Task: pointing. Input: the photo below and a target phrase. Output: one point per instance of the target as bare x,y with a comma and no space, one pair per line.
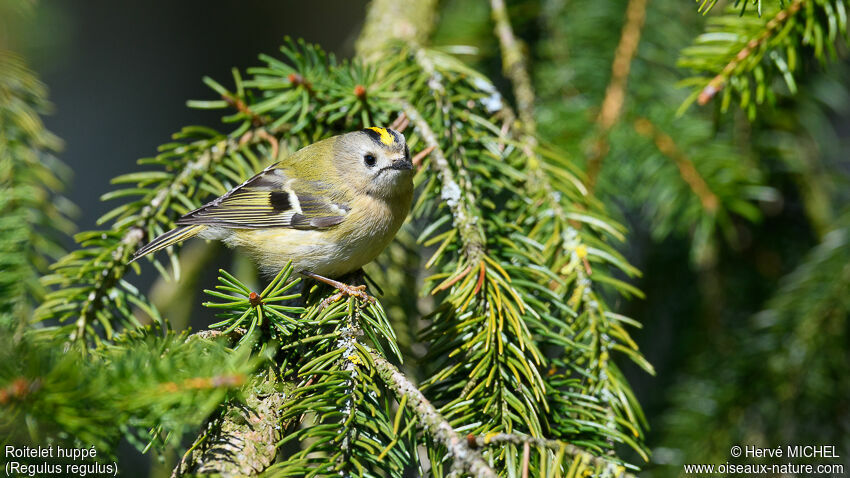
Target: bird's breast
369,226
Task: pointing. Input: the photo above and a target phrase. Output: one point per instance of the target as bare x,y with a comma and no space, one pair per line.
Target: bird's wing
272,198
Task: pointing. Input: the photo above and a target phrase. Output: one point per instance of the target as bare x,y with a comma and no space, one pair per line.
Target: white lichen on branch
435,424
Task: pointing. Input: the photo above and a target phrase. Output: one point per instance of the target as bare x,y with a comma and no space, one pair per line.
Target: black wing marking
271,199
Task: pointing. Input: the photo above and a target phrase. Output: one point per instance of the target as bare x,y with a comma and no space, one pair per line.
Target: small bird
330,208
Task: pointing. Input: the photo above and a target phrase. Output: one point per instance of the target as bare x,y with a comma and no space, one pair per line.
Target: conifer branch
452,193
144,385
35,216
770,29
131,239
242,441
615,94
108,269
406,21
436,425
740,53
515,67
651,178
608,467
500,342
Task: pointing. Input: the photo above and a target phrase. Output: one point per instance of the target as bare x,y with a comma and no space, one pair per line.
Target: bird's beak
402,164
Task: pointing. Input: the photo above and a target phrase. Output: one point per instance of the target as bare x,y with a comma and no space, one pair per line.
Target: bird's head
375,161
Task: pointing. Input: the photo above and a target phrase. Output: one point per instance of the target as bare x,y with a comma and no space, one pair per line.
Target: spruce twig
113,267
615,469
454,196
514,66
771,28
740,53
469,459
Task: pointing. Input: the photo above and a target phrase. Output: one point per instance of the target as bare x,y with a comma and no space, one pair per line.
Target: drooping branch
467,458
514,66
453,194
741,54
615,94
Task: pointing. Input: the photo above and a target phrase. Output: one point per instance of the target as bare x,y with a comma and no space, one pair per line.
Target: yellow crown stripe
386,137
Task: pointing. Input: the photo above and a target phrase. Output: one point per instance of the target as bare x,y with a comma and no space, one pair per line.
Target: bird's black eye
369,159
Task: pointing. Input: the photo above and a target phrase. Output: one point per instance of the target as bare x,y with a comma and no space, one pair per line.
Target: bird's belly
312,251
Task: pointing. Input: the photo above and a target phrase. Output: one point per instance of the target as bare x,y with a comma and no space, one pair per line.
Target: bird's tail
180,233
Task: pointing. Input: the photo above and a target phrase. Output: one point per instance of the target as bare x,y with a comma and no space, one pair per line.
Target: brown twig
689,173
296,80
400,123
18,390
236,102
775,24
435,424
417,160
615,93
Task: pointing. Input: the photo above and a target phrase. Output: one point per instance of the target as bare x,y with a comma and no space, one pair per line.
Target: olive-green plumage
330,207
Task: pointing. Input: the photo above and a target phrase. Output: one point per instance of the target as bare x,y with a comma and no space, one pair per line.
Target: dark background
120,73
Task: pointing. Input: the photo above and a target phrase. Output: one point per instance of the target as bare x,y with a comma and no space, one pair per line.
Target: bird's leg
358,291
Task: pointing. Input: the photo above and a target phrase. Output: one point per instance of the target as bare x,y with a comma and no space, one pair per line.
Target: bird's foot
358,291
343,289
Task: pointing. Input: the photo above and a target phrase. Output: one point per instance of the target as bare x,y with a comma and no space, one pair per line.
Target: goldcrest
330,207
